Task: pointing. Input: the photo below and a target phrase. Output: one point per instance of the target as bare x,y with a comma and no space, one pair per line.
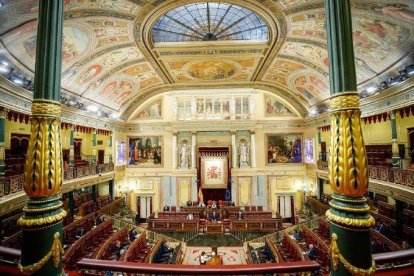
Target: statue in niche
243,154
184,155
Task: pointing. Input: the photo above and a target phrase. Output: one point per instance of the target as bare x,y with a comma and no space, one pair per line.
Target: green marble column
71,203
3,113
94,192
348,175
42,220
72,146
396,160
110,146
111,189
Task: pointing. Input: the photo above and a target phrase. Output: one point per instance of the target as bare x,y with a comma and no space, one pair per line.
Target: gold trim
337,257
44,169
39,210
351,229
349,209
55,251
48,108
40,221
368,222
41,228
344,102
363,200
58,196
348,173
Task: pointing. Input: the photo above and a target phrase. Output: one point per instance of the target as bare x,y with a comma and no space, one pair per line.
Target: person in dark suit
311,252
117,249
133,235
79,233
239,215
166,208
99,220
214,217
137,218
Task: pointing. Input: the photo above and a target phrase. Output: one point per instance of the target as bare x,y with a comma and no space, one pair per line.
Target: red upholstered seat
220,203
209,203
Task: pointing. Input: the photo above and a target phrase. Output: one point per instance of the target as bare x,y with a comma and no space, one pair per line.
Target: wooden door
77,149
101,156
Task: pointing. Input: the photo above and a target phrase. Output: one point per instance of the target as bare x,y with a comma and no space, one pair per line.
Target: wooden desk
214,228
216,260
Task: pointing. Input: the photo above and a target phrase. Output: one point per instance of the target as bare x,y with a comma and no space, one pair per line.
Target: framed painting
309,150
214,172
120,153
284,148
145,151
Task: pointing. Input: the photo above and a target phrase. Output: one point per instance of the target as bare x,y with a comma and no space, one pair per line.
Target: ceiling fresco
106,62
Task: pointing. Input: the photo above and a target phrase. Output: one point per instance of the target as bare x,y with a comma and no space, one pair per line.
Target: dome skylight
209,21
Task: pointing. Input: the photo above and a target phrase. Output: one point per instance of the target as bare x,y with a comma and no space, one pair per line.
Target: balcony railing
15,183
394,175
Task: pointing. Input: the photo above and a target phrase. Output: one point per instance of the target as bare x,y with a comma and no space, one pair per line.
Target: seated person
117,249
201,204
296,235
214,217
166,208
311,252
190,216
79,233
239,215
166,248
204,258
133,235
189,203
405,245
100,219
214,205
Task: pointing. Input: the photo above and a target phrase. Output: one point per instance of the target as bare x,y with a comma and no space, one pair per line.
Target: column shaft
72,147
174,151
348,175
193,149
396,160
42,220
2,132
94,146
253,149
234,150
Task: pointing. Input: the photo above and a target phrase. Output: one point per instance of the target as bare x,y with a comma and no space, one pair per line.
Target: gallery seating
138,250
106,251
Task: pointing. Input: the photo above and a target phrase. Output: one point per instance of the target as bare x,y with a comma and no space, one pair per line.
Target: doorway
144,207
77,148
101,156
286,207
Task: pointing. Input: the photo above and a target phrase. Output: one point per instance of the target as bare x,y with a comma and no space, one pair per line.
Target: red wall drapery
213,194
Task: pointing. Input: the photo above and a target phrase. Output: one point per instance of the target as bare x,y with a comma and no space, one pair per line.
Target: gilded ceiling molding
297,103
152,11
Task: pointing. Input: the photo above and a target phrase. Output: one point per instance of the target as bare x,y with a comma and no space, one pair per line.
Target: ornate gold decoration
358,222
39,210
348,173
46,108
42,220
360,200
56,251
350,209
351,229
44,170
344,101
337,257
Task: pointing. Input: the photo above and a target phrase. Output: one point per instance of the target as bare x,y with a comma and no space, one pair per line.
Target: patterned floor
230,255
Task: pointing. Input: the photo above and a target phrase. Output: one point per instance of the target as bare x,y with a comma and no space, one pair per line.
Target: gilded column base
41,240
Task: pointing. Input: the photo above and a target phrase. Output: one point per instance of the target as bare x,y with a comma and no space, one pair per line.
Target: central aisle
230,255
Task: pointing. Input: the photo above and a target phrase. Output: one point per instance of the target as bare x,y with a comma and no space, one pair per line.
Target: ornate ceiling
110,58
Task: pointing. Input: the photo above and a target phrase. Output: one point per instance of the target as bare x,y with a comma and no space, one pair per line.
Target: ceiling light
410,70
372,89
18,81
5,63
114,115
92,108
394,80
4,70
72,102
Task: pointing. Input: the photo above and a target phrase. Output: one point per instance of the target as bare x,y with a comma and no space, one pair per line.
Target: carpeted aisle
230,255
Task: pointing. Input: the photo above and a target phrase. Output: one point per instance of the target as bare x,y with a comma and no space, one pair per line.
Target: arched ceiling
109,58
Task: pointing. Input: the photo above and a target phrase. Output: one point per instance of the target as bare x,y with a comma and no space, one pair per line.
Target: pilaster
396,160
72,147
193,149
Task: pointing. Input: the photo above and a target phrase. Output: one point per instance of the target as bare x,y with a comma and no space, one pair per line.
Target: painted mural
274,108
151,111
120,153
284,148
309,151
212,70
145,151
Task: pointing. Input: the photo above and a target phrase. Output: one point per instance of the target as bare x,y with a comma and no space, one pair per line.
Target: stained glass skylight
209,21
